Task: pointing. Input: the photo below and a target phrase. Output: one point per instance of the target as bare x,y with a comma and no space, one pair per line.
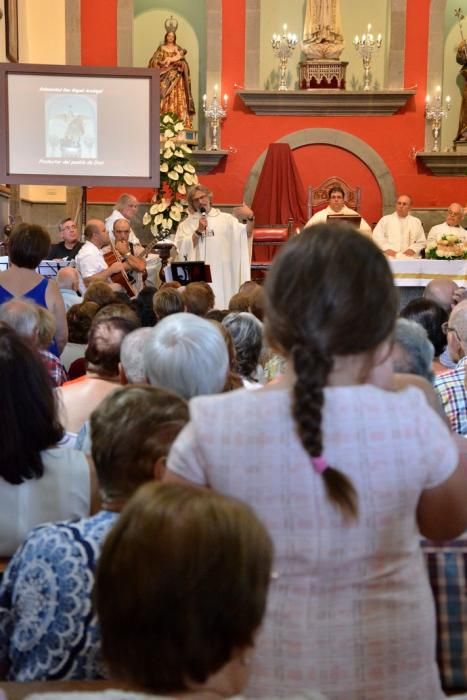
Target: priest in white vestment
337,206
452,225
400,234
218,239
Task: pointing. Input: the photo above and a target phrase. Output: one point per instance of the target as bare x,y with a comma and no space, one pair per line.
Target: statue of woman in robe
322,33
461,57
175,76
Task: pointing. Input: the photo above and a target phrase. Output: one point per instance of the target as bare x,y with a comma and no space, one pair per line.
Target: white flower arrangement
448,247
177,172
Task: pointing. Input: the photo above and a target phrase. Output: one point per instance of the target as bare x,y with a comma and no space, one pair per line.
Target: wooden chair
318,197
273,235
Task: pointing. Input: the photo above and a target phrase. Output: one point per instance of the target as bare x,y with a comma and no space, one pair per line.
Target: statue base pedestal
460,147
322,75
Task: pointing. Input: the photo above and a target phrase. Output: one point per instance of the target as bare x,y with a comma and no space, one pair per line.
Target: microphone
202,211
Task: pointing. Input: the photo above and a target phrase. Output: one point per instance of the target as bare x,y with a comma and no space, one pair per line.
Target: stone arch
339,139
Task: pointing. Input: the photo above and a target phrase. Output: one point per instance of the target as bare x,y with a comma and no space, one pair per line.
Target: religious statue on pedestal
175,78
322,33
461,57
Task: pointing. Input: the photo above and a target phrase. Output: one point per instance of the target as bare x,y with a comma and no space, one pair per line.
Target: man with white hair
187,354
68,284
451,225
400,232
451,385
126,207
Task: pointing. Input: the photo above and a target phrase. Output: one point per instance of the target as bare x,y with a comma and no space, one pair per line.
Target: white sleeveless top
63,492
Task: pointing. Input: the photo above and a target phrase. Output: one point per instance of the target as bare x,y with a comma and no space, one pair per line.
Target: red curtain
279,195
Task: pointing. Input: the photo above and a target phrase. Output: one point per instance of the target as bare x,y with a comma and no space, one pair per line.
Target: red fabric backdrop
280,194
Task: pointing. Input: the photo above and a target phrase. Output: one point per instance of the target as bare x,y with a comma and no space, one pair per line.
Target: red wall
395,138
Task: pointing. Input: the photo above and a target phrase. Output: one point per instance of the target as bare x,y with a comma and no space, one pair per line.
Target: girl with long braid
345,474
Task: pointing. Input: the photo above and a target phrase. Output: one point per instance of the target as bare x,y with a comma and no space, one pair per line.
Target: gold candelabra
367,46
434,113
283,46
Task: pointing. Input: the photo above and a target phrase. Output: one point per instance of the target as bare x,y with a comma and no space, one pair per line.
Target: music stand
186,272
50,268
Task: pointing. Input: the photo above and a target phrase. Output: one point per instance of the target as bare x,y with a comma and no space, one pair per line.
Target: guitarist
129,252
90,261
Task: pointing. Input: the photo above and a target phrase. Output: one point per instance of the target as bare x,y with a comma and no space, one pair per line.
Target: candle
380,38
215,90
427,99
356,41
226,98
448,99
204,100
285,28
438,88
369,28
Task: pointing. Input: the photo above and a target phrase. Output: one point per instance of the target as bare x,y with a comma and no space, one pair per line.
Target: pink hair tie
319,464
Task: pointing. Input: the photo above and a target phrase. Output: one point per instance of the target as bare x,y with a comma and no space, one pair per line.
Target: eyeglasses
446,328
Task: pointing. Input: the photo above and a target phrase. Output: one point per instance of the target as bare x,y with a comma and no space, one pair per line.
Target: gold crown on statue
171,25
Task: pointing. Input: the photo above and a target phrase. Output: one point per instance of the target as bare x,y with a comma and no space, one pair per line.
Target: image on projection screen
78,126
71,126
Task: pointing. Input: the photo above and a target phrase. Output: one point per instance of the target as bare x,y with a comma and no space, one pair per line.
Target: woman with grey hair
187,354
247,335
412,352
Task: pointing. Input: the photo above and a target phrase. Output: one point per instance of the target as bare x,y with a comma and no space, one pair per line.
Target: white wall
42,37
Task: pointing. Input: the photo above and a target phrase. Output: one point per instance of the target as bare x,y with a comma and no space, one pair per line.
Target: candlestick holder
283,46
215,112
367,46
434,114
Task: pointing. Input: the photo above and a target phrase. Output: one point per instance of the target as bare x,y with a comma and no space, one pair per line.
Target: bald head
68,278
403,204
454,214
441,291
96,233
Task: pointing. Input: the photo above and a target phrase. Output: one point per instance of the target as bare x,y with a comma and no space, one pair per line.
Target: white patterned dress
350,611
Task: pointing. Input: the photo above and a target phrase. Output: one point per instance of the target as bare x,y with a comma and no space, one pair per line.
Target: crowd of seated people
299,396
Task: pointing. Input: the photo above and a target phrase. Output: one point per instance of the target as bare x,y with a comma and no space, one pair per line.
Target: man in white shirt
126,207
400,232
90,261
451,225
337,206
68,283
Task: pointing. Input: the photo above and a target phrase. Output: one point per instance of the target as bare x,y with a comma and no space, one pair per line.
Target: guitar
120,278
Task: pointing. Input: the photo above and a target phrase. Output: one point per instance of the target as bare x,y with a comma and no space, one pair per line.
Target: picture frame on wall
11,30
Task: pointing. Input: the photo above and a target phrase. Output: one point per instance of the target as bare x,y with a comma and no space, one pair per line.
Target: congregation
233,489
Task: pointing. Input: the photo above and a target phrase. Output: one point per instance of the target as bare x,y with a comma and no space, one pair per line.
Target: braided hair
330,292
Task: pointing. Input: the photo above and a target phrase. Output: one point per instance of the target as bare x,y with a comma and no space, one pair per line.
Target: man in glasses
70,244
451,385
451,225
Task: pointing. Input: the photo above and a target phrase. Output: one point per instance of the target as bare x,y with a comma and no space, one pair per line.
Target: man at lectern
337,205
218,239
